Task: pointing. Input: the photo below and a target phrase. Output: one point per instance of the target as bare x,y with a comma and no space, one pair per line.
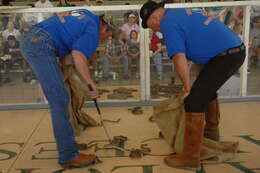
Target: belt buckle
223,53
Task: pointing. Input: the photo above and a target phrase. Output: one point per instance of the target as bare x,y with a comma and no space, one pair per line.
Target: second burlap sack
169,115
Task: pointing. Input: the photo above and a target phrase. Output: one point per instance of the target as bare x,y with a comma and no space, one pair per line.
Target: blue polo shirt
79,31
188,33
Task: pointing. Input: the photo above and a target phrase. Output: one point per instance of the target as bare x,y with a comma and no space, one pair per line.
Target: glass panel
17,82
118,59
254,53
114,65
233,17
162,76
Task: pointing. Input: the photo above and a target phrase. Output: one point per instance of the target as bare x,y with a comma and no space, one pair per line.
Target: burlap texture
170,118
77,94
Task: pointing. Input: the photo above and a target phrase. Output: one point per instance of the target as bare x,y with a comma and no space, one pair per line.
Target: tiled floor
27,143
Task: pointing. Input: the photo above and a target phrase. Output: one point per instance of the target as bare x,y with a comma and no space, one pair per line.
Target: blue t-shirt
79,31
184,33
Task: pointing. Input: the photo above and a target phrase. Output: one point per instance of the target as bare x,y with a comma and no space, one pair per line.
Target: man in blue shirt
77,33
217,53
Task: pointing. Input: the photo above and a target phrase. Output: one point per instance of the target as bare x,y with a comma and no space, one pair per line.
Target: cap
131,15
147,9
11,37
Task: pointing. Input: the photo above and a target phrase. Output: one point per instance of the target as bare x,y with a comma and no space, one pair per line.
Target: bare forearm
181,66
81,64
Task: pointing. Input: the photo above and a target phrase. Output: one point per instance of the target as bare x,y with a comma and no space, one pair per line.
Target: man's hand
81,64
93,91
182,96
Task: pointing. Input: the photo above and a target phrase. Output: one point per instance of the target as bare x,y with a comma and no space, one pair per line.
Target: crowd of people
121,49
12,27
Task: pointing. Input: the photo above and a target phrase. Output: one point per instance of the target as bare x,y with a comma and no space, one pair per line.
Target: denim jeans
39,51
106,62
157,59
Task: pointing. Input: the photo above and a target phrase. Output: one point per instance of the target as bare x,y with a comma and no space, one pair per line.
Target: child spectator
133,50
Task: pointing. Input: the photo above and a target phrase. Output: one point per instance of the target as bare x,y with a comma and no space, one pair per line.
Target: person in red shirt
156,48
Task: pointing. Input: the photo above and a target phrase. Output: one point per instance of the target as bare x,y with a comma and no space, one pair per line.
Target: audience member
43,4
129,26
10,30
156,48
133,51
115,51
16,20
255,40
12,49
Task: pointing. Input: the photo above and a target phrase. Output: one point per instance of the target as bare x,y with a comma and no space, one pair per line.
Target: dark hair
130,35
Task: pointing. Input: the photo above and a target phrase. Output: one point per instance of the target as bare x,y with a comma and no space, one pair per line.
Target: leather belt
233,50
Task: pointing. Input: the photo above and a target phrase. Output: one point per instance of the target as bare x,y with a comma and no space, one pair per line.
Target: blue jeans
39,51
106,62
157,59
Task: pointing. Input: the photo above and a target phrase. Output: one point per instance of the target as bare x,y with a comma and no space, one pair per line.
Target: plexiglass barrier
135,73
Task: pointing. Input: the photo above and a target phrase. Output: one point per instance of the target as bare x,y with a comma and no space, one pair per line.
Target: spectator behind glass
12,49
133,51
43,4
10,30
129,26
255,40
156,48
115,51
16,20
64,3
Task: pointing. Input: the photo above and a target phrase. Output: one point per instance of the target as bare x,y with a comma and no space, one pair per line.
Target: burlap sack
170,118
78,94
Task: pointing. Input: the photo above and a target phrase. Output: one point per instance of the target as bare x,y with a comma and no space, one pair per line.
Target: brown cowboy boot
212,116
82,160
190,156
